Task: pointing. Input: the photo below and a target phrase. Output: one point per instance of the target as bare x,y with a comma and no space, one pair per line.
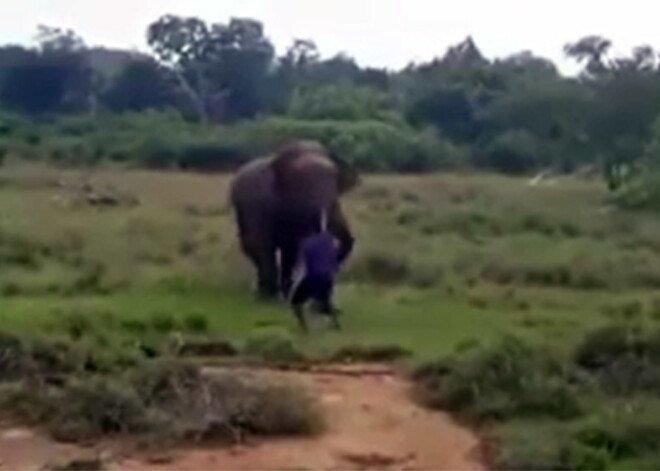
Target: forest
211,95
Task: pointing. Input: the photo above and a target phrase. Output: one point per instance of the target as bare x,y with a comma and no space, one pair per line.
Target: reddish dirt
372,424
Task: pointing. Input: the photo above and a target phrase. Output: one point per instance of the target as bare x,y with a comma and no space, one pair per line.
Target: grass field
442,263
440,260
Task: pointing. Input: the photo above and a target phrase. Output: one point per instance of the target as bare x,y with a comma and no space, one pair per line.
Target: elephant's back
253,183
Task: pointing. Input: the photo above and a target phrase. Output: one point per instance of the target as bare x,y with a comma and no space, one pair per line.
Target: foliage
509,380
272,345
165,400
515,114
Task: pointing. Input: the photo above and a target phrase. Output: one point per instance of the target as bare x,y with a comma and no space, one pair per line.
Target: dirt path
372,424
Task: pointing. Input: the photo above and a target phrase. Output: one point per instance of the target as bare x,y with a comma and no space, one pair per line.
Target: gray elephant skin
278,200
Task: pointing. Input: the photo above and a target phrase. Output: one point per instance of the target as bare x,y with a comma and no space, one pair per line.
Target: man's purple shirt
320,255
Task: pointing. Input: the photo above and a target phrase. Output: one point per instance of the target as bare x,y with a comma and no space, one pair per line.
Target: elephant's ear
348,177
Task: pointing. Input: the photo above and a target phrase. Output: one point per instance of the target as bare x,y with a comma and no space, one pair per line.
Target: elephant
279,199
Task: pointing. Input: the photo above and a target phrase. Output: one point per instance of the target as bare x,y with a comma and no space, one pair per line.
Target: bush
525,446
623,358
641,192
624,430
370,353
163,322
167,400
11,356
272,345
508,380
511,152
165,140
96,407
196,323
340,102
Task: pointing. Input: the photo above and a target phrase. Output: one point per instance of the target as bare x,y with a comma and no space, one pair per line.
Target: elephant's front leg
267,275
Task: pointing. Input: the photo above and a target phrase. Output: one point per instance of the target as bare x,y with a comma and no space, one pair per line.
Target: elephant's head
307,175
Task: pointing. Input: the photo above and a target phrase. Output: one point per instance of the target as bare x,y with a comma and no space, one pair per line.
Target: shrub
168,400
624,430
208,348
641,192
196,323
508,380
165,140
78,324
11,356
606,345
163,322
370,353
525,446
97,407
272,345
623,358
511,152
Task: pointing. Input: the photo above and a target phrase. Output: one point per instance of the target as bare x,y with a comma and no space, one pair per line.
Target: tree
54,77
222,68
142,84
625,100
448,108
593,51
340,102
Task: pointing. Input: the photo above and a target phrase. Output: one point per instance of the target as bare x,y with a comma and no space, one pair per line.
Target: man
319,262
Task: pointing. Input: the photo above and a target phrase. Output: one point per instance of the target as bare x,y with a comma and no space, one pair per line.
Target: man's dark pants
318,288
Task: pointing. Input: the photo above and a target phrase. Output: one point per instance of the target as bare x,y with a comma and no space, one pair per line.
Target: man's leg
324,291
300,295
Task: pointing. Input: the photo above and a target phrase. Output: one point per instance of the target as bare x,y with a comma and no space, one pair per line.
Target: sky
381,33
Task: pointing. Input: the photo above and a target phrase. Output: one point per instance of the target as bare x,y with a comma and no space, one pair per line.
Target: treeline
212,95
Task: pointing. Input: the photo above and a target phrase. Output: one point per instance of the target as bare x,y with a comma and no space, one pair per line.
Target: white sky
387,33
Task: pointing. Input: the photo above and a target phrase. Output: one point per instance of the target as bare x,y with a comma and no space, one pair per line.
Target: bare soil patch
371,424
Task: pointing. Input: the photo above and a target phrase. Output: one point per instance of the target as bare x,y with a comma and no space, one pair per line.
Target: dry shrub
165,400
370,353
623,357
272,344
207,348
11,356
510,379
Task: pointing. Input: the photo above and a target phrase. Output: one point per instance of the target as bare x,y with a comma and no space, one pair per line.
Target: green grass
443,264
423,322
440,261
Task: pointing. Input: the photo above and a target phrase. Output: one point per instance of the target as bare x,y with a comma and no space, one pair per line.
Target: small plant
196,323
623,358
207,348
11,356
510,379
370,353
78,324
163,322
523,446
272,345
135,326
97,407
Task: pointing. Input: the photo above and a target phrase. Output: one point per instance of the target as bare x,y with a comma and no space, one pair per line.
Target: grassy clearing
445,266
440,261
